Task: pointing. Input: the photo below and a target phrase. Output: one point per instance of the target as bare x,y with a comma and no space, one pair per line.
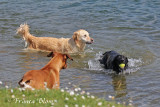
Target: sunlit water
132,28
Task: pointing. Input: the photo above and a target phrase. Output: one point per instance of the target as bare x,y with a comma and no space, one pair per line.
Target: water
131,28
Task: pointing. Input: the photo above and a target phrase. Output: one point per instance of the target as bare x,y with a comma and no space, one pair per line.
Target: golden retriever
63,45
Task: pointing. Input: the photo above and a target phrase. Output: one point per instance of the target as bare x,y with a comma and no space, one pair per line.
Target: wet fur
112,59
74,44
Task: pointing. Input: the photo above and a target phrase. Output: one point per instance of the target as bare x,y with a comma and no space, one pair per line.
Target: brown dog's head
82,36
63,56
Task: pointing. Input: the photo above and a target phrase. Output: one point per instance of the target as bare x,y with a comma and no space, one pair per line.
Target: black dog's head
120,63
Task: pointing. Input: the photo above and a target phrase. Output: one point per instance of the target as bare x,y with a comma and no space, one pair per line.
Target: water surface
131,28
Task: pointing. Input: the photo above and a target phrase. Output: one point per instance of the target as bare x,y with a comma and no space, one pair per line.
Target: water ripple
131,28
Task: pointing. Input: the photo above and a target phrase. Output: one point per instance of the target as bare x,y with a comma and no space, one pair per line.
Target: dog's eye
85,35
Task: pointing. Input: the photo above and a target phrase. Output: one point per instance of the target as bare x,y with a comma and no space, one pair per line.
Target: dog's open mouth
89,42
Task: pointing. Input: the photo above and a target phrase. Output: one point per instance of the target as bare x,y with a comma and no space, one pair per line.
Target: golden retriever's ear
50,55
75,35
75,38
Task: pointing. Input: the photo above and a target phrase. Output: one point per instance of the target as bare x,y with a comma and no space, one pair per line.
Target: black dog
115,61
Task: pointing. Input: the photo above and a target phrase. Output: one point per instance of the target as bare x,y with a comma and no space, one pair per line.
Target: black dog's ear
126,60
50,54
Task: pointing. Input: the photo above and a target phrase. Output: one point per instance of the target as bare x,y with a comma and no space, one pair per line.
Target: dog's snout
92,40
122,60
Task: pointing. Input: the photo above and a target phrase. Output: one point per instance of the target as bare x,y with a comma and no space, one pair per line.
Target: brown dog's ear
50,55
68,56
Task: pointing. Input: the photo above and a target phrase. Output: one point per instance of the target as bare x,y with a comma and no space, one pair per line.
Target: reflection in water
32,60
119,85
127,26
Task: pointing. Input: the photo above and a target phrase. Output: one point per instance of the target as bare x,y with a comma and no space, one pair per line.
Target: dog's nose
92,40
122,60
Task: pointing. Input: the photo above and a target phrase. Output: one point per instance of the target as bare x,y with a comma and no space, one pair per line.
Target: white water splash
134,64
94,64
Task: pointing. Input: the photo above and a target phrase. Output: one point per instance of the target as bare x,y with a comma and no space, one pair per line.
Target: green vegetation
50,98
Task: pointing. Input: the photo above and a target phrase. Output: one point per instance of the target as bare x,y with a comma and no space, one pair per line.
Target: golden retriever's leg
26,44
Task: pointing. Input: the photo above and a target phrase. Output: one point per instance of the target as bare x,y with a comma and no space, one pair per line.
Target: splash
94,63
134,64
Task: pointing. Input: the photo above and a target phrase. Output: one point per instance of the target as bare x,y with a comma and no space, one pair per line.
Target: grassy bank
50,98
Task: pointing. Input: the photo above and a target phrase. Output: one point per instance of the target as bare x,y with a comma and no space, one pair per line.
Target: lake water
131,28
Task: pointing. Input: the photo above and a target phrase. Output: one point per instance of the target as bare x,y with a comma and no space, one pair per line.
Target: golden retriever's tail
23,31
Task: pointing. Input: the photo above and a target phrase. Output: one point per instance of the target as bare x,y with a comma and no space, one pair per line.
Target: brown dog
62,45
49,74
